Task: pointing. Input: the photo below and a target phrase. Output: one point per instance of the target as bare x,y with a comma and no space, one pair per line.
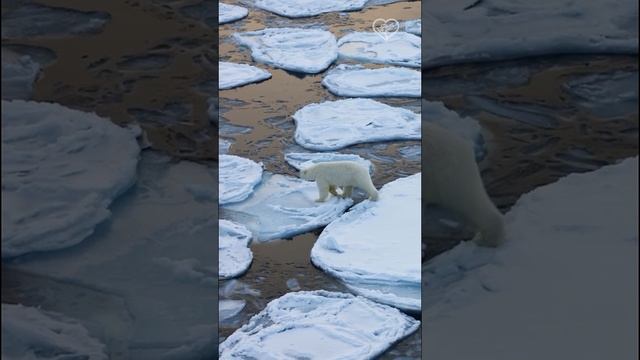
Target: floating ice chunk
300,50
319,325
223,146
333,125
300,160
61,169
234,75
463,126
401,48
238,176
357,81
229,308
413,26
19,72
565,242
30,333
304,8
375,248
471,31
233,249
284,206
228,13
293,284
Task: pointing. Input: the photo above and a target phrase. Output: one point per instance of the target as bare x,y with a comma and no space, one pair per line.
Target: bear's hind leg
333,191
323,190
347,191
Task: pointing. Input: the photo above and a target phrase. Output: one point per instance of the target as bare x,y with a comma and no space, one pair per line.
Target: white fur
453,182
345,174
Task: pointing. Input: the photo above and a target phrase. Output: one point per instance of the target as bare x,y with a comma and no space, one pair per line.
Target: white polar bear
452,180
346,174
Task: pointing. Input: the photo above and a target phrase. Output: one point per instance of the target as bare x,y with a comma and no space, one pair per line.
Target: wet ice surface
228,13
304,8
607,94
160,232
234,255
400,48
237,178
300,160
353,121
319,325
374,258
470,31
232,75
294,49
358,81
30,333
61,169
283,206
590,222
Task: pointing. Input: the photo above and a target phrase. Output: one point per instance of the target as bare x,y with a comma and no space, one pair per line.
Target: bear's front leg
323,190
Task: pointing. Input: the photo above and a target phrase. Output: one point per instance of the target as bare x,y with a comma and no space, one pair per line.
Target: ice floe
283,206
234,255
571,257
463,126
413,27
31,333
300,160
337,124
375,248
228,13
19,72
237,176
400,48
229,308
294,49
61,169
304,8
471,31
319,325
233,75
357,81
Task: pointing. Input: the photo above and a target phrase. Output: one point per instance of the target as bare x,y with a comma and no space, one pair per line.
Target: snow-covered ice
31,333
332,125
319,325
571,257
233,75
463,126
284,206
294,49
304,8
358,81
471,31
375,248
237,178
234,255
300,160
401,48
413,26
228,13
61,169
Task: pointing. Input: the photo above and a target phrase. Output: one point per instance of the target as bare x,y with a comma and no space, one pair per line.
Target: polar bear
346,174
452,181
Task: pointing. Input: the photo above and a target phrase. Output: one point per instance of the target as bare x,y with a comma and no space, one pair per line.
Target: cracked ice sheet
294,49
284,206
238,176
30,333
319,325
357,81
61,169
333,125
234,255
401,48
234,75
490,30
467,128
228,13
157,246
305,8
375,248
300,160
571,257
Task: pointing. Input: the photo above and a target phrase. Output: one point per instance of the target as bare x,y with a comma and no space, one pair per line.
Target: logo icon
385,28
